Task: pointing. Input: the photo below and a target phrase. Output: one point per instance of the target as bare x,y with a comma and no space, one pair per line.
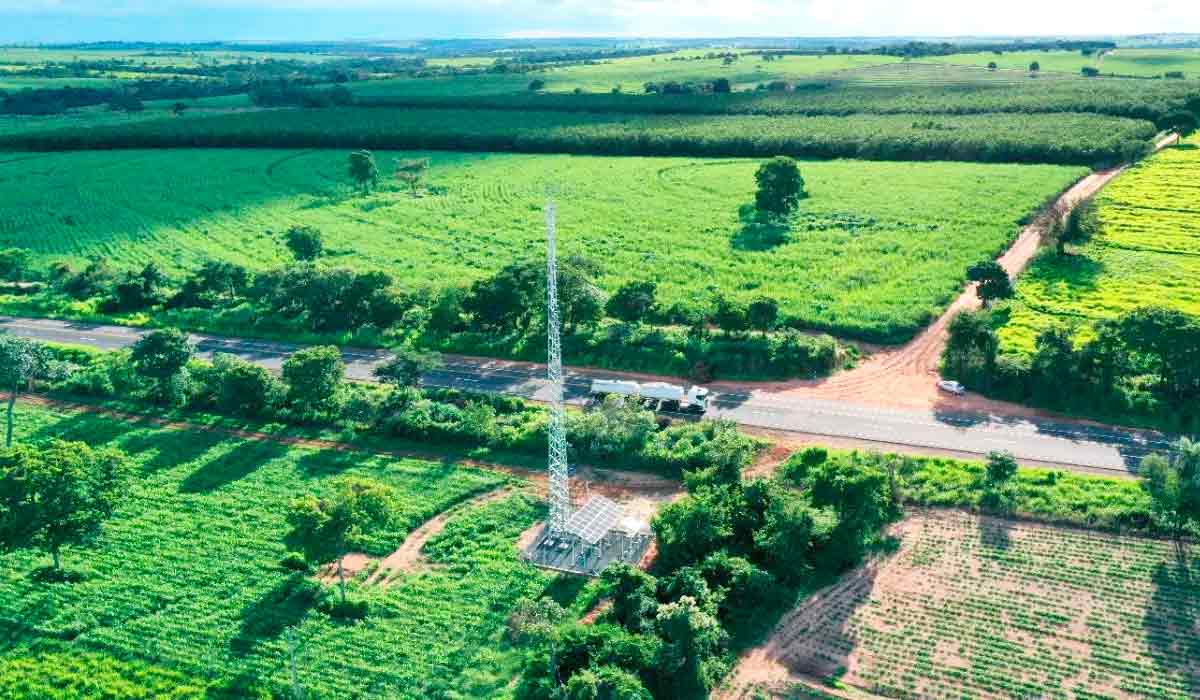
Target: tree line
1139,363
1069,139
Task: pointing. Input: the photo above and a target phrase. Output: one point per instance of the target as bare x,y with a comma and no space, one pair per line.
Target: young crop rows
984,608
875,252
187,578
1148,253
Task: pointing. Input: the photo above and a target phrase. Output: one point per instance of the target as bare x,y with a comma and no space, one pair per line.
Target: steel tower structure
560,485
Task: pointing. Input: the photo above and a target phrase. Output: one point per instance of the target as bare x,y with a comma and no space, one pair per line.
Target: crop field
1144,63
630,74
876,251
986,608
1148,252
186,583
1075,139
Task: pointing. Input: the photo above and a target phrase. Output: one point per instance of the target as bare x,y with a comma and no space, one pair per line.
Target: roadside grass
186,577
877,251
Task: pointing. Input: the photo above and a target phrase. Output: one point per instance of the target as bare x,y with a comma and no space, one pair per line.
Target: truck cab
698,399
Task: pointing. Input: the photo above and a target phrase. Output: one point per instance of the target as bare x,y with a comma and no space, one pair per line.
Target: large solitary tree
21,361
326,529
780,187
57,495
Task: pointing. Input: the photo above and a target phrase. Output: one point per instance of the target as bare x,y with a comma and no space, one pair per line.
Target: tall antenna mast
560,486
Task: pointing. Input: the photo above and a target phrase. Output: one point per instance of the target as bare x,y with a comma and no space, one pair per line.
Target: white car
952,387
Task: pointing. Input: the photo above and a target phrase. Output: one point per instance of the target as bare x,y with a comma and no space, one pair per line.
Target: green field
878,249
1145,63
629,74
972,607
186,581
1148,253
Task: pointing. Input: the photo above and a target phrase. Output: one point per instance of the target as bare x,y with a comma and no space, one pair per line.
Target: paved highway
1093,448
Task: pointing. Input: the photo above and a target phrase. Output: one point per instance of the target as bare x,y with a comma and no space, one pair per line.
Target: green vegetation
906,88
1142,63
732,555
187,578
1079,139
876,251
1048,495
981,607
1107,322
71,674
1147,251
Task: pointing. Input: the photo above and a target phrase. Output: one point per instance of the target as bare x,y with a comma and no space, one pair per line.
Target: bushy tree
780,186
1174,486
305,242
162,357
315,378
363,170
1079,227
1035,67
139,290
721,85
615,429
783,542
1183,123
971,346
326,529
691,529
21,362
993,281
632,302
508,299
215,283
763,314
690,637
14,264
731,316
632,592
244,388
330,299
57,495
1001,468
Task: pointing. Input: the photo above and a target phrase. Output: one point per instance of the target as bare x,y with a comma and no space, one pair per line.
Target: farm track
408,556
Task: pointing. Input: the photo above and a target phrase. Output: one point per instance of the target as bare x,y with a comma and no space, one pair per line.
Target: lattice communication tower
560,484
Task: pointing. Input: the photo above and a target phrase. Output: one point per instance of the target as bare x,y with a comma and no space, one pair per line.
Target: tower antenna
560,485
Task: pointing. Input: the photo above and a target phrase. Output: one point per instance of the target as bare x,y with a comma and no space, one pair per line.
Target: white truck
667,397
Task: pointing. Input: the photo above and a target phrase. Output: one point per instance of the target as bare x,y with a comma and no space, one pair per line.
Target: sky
50,21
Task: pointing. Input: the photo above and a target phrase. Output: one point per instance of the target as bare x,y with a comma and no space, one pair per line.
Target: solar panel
593,521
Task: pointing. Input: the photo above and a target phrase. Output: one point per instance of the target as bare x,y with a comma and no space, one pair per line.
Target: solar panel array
593,521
